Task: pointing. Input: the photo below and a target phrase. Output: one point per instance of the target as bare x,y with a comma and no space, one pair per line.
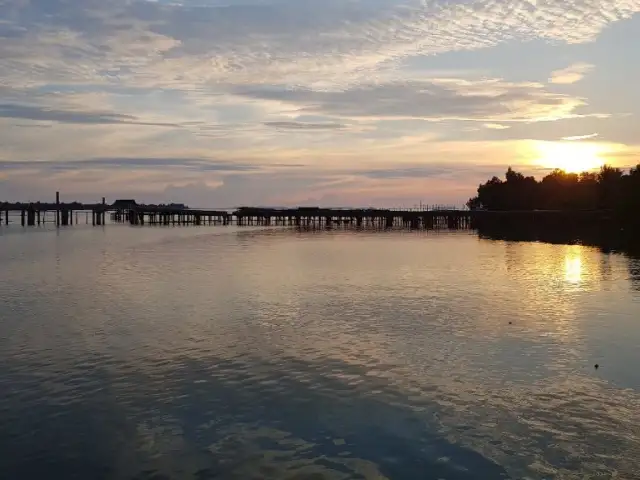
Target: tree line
609,189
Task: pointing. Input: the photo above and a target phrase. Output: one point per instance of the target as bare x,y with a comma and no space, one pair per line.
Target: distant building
124,204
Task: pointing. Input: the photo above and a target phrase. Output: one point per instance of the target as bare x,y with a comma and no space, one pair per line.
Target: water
200,353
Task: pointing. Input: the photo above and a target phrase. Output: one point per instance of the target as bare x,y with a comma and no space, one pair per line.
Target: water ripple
196,354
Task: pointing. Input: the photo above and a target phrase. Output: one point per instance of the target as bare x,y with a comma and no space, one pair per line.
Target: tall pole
57,209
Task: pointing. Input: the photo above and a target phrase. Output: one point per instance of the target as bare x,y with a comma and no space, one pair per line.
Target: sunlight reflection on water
573,269
216,353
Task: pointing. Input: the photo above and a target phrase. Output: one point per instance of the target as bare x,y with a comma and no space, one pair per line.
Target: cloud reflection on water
275,354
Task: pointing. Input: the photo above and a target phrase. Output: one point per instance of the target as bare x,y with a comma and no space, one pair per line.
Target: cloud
135,163
486,100
305,125
236,79
36,113
426,171
580,137
435,172
311,42
572,74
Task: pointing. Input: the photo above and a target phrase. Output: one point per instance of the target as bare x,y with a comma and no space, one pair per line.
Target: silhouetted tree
610,183
609,189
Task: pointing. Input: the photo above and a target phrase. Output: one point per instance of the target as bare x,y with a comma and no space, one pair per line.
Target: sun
572,157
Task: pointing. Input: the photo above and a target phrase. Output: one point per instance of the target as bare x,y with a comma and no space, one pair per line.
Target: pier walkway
66,214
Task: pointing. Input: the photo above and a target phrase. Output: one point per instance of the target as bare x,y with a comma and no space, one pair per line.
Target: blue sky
323,102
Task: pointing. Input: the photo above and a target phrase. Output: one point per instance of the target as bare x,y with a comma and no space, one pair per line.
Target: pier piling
31,217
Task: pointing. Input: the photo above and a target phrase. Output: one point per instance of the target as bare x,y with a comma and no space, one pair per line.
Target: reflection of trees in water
557,266
513,255
606,269
610,190
606,241
634,273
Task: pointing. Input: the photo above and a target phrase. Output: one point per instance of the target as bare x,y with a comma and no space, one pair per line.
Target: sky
387,103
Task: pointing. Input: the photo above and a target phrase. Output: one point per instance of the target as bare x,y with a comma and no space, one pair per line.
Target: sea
270,353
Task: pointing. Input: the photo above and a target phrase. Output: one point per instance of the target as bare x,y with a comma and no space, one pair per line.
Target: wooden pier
67,214
128,212
171,216
359,218
62,214
298,217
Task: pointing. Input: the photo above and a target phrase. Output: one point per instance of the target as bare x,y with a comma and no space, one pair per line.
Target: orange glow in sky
572,157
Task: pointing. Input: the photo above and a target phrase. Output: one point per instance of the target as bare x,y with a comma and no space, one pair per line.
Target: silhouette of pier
312,217
62,214
129,212
152,215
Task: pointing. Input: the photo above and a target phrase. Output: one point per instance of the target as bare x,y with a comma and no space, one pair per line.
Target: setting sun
572,157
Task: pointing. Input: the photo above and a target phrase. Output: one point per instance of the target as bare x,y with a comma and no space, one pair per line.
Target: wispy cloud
492,100
136,163
36,113
580,137
305,125
312,42
572,74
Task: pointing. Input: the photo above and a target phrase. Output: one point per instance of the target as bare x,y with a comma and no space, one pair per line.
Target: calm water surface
201,353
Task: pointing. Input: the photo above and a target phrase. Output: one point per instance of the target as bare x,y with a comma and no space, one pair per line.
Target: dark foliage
609,189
